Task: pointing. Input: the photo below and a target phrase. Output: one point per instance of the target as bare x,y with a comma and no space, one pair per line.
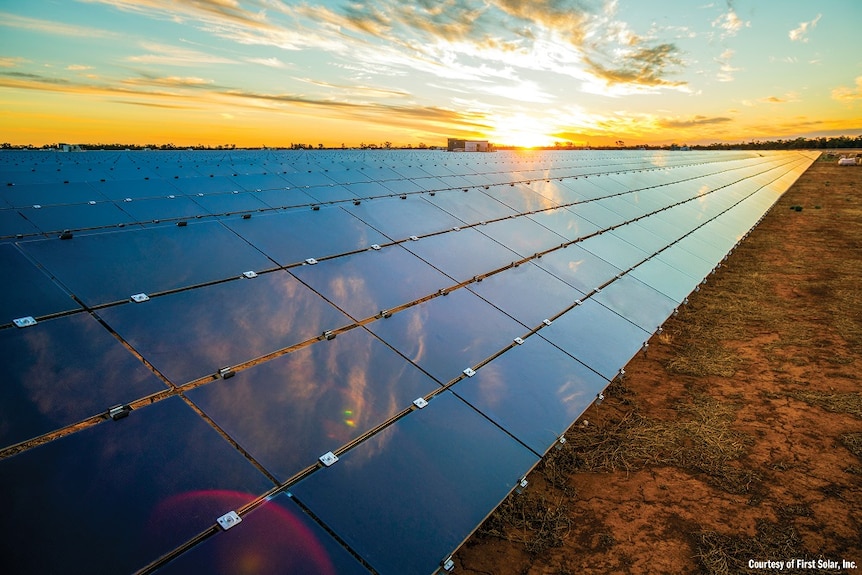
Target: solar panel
325,361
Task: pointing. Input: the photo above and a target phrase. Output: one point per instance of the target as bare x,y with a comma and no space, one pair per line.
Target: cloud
206,10
78,67
269,62
730,23
643,66
170,81
799,34
845,94
10,62
163,54
725,69
52,28
388,113
694,122
789,97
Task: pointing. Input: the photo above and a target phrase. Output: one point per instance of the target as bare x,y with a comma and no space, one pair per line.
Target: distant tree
422,145
319,146
620,143
387,145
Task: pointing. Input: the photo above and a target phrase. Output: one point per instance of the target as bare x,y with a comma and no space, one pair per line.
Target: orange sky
266,72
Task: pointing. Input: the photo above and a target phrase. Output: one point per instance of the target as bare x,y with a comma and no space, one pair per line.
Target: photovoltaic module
328,361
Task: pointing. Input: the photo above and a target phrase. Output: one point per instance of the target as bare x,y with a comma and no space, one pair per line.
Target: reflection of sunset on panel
333,72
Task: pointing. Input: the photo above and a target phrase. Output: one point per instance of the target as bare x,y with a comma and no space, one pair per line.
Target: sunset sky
273,72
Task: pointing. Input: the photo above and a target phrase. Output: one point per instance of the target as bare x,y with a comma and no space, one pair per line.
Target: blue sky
275,72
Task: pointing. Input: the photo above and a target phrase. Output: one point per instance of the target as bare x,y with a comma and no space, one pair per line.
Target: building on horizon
456,145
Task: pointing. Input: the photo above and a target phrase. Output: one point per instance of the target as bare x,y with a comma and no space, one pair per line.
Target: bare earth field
736,438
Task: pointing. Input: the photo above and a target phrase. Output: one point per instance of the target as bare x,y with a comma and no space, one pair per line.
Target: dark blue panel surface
578,267
61,371
48,194
471,206
527,293
665,278
521,198
165,208
230,203
565,223
534,391
12,223
277,538
121,493
449,333
637,302
614,250
399,219
290,410
293,237
193,333
365,283
54,219
281,198
138,188
522,235
463,254
27,291
452,466
109,267
596,336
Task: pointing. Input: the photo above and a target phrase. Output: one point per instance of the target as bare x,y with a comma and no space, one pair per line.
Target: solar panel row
253,324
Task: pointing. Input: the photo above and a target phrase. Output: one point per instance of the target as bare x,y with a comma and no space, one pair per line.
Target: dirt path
737,438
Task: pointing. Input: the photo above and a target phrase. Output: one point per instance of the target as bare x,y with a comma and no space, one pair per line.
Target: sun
522,130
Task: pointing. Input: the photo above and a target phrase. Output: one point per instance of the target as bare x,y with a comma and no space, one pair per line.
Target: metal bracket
311,261
547,322
140,297
249,275
328,335
519,341
119,411
228,520
24,321
375,247
448,564
469,372
600,398
328,458
522,485
226,372
414,238
420,402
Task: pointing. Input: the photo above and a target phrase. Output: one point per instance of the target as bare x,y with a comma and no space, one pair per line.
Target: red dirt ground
737,437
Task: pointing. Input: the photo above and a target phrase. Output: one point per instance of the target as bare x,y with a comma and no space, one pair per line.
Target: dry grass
700,439
530,520
834,402
725,554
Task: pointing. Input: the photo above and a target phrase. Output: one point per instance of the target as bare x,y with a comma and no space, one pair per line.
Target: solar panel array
358,353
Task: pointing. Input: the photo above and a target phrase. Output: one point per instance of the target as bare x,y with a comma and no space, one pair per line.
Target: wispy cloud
693,122
78,67
268,62
847,94
789,97
800,33
51,27
725,68
11,62
163,54
730,23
